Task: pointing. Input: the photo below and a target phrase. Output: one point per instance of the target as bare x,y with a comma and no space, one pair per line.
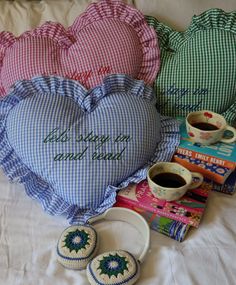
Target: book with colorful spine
170,218
229,187
171,228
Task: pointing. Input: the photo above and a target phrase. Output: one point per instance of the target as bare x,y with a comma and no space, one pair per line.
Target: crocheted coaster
109,37
77,246
198,70
115,267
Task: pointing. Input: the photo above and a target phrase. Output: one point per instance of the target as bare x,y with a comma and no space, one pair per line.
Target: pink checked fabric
109,37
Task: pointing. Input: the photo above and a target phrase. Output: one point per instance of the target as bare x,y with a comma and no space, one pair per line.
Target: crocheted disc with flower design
109,37
77,246
114,267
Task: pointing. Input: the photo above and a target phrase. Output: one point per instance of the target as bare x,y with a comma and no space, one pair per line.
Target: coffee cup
206,127
170,181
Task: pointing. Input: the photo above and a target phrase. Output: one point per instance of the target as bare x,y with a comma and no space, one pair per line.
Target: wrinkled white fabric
18,16
28,236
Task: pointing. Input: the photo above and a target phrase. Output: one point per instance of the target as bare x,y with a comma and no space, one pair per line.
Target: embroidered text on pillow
59,140
198,67
109,37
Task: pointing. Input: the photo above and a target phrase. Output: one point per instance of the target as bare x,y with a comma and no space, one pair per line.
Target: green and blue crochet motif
113,265
77,240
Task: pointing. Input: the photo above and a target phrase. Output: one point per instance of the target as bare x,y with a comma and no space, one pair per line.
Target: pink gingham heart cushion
109,37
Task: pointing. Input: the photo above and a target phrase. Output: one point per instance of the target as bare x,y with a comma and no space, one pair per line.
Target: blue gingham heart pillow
73,148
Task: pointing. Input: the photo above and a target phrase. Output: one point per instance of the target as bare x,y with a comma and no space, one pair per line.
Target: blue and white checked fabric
73,149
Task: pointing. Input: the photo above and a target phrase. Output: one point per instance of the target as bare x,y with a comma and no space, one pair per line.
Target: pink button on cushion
109,37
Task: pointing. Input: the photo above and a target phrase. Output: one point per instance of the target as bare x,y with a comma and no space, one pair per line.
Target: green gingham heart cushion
198,66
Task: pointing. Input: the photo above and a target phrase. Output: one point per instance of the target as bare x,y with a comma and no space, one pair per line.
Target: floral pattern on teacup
160,192
205,136
208,115
176,195
218,124
191,134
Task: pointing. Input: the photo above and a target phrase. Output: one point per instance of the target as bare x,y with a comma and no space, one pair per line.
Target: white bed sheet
28,236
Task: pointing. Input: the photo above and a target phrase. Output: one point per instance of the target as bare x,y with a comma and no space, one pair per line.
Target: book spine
206,158
212,171
171,228
229,187
224,189
168,227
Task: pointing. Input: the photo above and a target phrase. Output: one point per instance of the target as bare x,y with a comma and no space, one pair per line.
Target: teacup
206,127
170,181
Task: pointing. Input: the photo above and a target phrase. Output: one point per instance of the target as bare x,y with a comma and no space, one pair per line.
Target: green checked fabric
198,66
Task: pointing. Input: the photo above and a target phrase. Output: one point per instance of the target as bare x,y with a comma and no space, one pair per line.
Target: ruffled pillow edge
36,187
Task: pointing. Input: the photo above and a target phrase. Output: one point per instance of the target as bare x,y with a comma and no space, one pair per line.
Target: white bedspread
28,236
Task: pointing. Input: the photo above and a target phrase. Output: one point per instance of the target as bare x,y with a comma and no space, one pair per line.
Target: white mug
207,127
170,181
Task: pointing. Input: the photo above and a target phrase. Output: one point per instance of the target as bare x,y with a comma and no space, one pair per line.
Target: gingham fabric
109,37
198,66
73,148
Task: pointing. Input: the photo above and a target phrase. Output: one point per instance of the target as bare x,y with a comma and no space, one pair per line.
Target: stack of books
172,219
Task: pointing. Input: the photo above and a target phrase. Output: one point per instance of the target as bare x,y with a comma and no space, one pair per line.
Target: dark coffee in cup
169,180
205,126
